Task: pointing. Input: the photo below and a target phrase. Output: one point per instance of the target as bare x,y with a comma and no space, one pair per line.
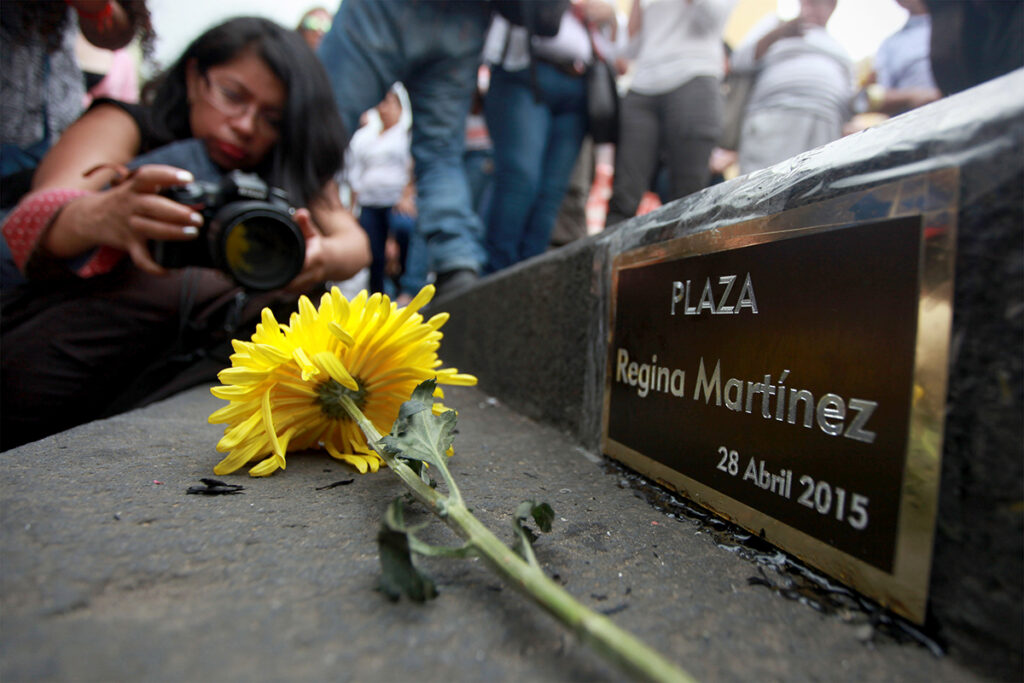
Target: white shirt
904,58
507,45
677,42
378,164
811,73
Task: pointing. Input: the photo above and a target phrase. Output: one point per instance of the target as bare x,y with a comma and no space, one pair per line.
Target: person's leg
519,130
692,119
69,357
567,99
374,220
636,156
486,198
362,54
441,86
571,222
479,173
414,254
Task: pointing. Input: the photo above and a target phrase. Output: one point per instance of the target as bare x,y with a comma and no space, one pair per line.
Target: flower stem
596,630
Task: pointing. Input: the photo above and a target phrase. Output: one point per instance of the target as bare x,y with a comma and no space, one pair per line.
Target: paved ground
110,571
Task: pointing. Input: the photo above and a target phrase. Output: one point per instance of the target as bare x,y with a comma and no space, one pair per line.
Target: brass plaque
789,373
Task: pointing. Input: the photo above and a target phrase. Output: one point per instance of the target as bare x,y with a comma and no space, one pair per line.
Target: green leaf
418,434
542,515
399,576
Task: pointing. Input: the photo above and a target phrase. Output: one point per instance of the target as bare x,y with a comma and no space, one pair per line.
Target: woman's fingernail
185,176
196,218
190,230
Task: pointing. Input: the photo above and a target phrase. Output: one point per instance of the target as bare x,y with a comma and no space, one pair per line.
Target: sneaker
454,281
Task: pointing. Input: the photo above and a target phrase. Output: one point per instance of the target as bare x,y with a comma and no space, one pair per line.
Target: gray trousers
676,130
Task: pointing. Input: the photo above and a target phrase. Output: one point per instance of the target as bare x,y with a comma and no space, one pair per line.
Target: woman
537,117
100,327
672,114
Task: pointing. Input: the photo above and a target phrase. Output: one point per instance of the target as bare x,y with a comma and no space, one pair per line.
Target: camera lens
260,246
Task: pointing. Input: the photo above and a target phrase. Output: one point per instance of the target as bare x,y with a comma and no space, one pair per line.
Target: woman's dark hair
311,145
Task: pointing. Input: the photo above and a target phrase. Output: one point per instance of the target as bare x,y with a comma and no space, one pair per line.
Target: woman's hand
336,246
314,270
793,28
126,217
406,205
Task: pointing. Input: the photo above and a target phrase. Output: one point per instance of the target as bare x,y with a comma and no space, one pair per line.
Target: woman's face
236,108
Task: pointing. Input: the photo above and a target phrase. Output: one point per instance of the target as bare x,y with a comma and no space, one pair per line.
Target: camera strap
234,314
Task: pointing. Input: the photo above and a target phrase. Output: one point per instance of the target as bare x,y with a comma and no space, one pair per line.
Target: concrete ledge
110,571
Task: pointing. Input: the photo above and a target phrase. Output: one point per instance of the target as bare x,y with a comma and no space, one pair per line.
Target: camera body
248,232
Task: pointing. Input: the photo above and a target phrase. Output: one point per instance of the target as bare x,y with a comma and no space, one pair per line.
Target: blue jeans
433,48
480,174
380,222
414,254
374,220
535,149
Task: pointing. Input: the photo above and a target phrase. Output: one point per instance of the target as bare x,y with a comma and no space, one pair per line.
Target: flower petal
309,371
268,424
265,468
339,332
336,369
356,461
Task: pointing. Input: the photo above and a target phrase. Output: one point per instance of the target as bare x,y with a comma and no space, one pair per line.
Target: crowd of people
414,141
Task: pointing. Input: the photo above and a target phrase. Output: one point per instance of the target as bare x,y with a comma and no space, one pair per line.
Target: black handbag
602,98
602,103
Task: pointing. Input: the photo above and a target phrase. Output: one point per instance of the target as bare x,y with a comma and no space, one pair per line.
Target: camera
248,232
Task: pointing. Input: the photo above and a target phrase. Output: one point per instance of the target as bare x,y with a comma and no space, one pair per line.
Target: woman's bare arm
105,134
124,217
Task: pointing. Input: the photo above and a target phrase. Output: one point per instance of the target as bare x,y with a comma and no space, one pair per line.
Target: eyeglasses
233,102
317,23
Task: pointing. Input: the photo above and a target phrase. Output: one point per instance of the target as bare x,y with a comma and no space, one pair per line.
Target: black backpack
539,17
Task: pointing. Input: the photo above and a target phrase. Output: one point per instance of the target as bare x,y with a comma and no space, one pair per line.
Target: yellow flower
284,386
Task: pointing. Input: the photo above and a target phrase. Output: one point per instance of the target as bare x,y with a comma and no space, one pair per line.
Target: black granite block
536,335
